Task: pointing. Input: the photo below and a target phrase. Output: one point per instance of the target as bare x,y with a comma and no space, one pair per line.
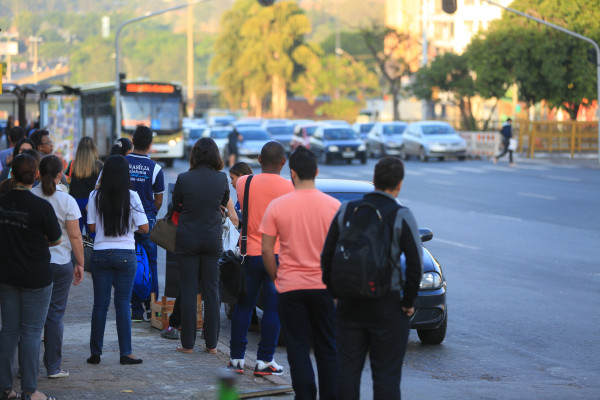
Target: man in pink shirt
301,220
263,189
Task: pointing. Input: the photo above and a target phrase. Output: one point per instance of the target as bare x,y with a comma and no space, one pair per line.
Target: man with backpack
362,268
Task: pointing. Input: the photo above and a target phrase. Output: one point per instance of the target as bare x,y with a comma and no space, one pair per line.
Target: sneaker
236,365
271,368
60,374
137,317
148,315
170,333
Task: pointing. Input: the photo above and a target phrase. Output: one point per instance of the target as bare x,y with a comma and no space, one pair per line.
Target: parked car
337,122
282,133
275,121
220,134
385,138
247,122
333,142
249,148
192,136
427,139
362,128
431,312
302,134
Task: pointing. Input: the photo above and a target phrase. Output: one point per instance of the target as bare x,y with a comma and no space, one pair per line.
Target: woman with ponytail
63,273
114,213
83,173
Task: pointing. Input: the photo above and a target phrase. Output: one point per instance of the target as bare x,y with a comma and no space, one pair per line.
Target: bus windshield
160,113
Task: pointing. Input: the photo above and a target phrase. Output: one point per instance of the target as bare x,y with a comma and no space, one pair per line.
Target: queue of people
289,256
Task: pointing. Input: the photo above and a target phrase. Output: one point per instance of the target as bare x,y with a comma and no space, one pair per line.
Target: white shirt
137,217
66,209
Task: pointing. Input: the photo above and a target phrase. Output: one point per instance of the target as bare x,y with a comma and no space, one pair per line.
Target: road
519,248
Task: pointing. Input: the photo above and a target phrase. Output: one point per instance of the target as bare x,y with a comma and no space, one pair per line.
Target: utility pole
35,40
425,53
190,62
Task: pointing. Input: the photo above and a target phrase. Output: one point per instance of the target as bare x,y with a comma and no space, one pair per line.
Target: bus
158,105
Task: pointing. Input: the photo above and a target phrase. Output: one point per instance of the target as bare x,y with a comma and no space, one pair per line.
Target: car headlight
172,143
431,280
362,147
333,149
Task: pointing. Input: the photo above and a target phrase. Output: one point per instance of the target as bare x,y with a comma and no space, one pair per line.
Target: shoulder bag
164,232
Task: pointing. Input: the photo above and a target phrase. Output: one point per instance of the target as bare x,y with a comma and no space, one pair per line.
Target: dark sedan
334,142
431,313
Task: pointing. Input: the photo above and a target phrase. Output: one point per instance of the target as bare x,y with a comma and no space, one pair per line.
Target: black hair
142,138
272,154
121,147
37,135
49,167
24,169
112,197
16,133
206,152
389,172
17,148
240,169
304,163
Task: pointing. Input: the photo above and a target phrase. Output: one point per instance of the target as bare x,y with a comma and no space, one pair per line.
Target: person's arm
137,213
231,214
145,228
77,244
268,255
410,243
158,200
329,249
177,197
158,187
91,228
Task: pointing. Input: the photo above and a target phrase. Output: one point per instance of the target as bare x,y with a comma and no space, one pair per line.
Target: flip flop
210,351
184,350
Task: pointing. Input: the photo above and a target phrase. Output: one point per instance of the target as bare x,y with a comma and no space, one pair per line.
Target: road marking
440,182
561,178
412,173
532,167
461,245
507,217
536,196
500,168
439,171
469,169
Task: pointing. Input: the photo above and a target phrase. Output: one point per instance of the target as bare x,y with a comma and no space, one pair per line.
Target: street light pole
578,36
118,51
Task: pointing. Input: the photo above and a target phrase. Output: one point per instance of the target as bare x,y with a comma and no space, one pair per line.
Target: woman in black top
83,172
28,226
198,195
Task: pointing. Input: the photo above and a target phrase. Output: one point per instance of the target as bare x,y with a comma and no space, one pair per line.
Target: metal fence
556,136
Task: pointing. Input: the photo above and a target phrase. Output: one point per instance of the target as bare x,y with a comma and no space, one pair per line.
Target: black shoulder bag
231,264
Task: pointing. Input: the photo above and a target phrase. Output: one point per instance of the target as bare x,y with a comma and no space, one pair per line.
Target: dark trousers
175,317
200,265
306,314
506,143
385,340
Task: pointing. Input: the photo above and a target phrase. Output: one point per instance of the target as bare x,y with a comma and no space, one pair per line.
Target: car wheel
434,336
440,158
370,153
422,156
349,161
462,158
403,153
382,153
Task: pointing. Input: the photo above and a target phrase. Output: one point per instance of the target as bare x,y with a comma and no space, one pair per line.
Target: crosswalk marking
440,182
536,196
561,178
470,169
440,171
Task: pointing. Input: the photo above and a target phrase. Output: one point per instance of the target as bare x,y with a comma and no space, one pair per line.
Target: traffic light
266,3
449,6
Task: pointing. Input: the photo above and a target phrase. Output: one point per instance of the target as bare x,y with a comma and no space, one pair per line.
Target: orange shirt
263,189
301,220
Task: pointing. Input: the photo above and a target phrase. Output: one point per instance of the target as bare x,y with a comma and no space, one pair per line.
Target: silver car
426,139
385,139
249,148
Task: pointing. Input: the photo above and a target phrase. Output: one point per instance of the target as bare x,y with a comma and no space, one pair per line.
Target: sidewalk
164,373
579,160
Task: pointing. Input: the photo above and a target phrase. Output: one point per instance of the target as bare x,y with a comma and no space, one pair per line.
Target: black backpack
361,266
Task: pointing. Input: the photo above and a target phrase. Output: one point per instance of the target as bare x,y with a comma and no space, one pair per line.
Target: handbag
164,233
231,265
512,144
231,236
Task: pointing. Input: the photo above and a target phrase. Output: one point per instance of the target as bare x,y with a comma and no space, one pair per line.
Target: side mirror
426,234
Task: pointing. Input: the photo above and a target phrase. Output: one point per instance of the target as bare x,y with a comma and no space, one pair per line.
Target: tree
390,49
448,73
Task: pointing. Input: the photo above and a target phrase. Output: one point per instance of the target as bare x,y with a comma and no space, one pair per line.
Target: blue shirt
4,154
147,179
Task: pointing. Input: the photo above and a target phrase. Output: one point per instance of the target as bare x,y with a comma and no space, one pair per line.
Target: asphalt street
519,249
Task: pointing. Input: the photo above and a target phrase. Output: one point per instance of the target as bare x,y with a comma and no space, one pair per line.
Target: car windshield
393,129
340,134
365,128
310,130
196,133
219,133
160,113
255,135
280,130
437,130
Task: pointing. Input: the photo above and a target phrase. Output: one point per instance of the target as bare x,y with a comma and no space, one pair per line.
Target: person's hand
409,311
77,274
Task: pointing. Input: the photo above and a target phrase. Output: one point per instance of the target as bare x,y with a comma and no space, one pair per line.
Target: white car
426,139
385,139
249,149
220,134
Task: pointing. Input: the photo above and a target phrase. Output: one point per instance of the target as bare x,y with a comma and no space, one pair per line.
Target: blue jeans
137,306
256,276
112,268
23,316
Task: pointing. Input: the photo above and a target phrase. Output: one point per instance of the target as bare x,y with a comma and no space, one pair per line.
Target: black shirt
233,140
27,224
81,188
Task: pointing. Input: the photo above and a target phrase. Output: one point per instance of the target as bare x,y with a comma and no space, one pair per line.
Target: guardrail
556,136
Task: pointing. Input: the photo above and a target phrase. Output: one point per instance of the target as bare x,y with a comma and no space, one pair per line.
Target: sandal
211,351
182,349
6,395
27,396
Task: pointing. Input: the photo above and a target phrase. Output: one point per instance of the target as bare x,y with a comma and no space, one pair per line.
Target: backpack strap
244,236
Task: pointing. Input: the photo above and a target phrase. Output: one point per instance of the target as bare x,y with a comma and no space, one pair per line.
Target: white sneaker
271,368
60,374
236,365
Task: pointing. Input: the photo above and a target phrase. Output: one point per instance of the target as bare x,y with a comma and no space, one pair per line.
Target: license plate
348,154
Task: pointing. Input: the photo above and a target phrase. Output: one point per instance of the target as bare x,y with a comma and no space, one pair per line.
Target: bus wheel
169,162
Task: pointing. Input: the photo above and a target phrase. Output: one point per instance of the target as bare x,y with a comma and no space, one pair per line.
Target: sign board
9,48
64,121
